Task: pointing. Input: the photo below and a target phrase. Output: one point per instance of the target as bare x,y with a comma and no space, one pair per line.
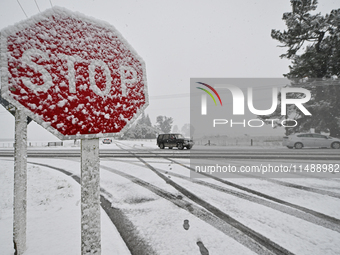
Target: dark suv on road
174,140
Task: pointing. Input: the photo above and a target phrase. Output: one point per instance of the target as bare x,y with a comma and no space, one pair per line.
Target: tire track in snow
225,224
254,237
319,215
257,237
127,229
124,226
287,210
282,183
305,188
268,197
321,221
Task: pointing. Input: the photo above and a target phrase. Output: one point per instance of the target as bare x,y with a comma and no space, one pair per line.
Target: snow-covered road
158,211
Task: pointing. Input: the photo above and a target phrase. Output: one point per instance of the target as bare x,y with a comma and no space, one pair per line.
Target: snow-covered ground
53,214
54,209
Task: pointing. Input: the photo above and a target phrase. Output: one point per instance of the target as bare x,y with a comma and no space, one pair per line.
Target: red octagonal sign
74,75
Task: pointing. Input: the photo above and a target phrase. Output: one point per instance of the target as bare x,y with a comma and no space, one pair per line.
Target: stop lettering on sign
128,75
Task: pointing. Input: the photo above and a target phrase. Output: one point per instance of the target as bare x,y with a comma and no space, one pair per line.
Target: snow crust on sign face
75,75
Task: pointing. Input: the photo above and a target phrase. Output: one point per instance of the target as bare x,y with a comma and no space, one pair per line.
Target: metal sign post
20,183
90,197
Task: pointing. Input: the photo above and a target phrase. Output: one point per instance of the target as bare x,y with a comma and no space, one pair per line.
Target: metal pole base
90,197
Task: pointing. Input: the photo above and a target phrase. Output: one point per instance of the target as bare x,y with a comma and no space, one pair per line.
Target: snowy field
53,210
53,214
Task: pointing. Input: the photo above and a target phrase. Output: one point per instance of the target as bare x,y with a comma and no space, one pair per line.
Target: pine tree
142,129
148,121
313,43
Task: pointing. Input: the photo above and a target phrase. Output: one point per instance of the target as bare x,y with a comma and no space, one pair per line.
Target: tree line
143,128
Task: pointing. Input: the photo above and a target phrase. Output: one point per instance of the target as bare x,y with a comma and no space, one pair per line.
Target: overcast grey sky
179,40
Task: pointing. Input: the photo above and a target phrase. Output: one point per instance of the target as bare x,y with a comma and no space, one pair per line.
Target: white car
107,141
298,141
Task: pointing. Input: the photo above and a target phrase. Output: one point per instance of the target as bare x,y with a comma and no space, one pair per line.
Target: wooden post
20,183
90,197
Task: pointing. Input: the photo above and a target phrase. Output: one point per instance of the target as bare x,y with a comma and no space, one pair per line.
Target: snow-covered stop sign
74,75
